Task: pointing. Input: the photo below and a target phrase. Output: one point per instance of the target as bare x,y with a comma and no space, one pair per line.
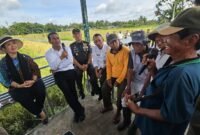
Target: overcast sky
69,11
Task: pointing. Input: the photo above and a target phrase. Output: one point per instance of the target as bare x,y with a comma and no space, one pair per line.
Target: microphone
63,46
151,55
143,68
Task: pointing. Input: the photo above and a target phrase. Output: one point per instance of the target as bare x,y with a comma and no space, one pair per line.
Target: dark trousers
194,128
66,82
106,93
102,80
93,79
103,77
31,98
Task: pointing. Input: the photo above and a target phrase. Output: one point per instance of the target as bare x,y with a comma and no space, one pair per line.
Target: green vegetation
17,121
67,35
24,28
167,10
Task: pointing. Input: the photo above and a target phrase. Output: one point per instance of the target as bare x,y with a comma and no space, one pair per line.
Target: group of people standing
164,80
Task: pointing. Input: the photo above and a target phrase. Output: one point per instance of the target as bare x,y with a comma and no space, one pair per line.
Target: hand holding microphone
149,59
64,53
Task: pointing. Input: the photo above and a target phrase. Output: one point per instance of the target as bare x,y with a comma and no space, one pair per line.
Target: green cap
189,18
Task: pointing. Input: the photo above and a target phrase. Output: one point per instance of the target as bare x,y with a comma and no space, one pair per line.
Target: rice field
67,35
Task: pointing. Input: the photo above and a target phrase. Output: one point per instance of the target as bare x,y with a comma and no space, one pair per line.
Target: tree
3,31
166,10
50,27
75,25
22,28
142,20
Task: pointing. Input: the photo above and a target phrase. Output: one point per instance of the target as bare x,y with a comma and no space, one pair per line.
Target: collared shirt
99,56
178,86
161,59
135,63
81,51
55,63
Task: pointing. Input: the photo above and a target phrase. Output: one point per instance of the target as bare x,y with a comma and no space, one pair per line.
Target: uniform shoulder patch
72,44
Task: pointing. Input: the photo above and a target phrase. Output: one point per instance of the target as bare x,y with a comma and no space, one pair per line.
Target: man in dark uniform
81,51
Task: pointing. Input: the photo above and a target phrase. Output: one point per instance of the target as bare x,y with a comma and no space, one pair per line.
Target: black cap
76,31
111,37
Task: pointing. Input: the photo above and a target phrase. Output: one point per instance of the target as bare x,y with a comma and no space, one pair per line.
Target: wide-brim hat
6,39
187,19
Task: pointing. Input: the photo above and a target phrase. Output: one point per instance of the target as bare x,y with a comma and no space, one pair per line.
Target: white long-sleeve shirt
161,59
54,61
138,80
99,56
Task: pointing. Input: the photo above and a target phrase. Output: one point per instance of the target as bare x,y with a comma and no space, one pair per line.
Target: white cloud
109,6
6,5
101,7
123,10
68,11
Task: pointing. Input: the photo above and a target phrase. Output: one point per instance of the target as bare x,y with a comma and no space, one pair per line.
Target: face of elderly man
177,46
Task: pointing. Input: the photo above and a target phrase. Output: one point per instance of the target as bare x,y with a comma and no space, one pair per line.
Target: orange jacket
117,64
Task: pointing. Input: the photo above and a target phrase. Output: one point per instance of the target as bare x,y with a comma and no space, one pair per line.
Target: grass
36,44
67,35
